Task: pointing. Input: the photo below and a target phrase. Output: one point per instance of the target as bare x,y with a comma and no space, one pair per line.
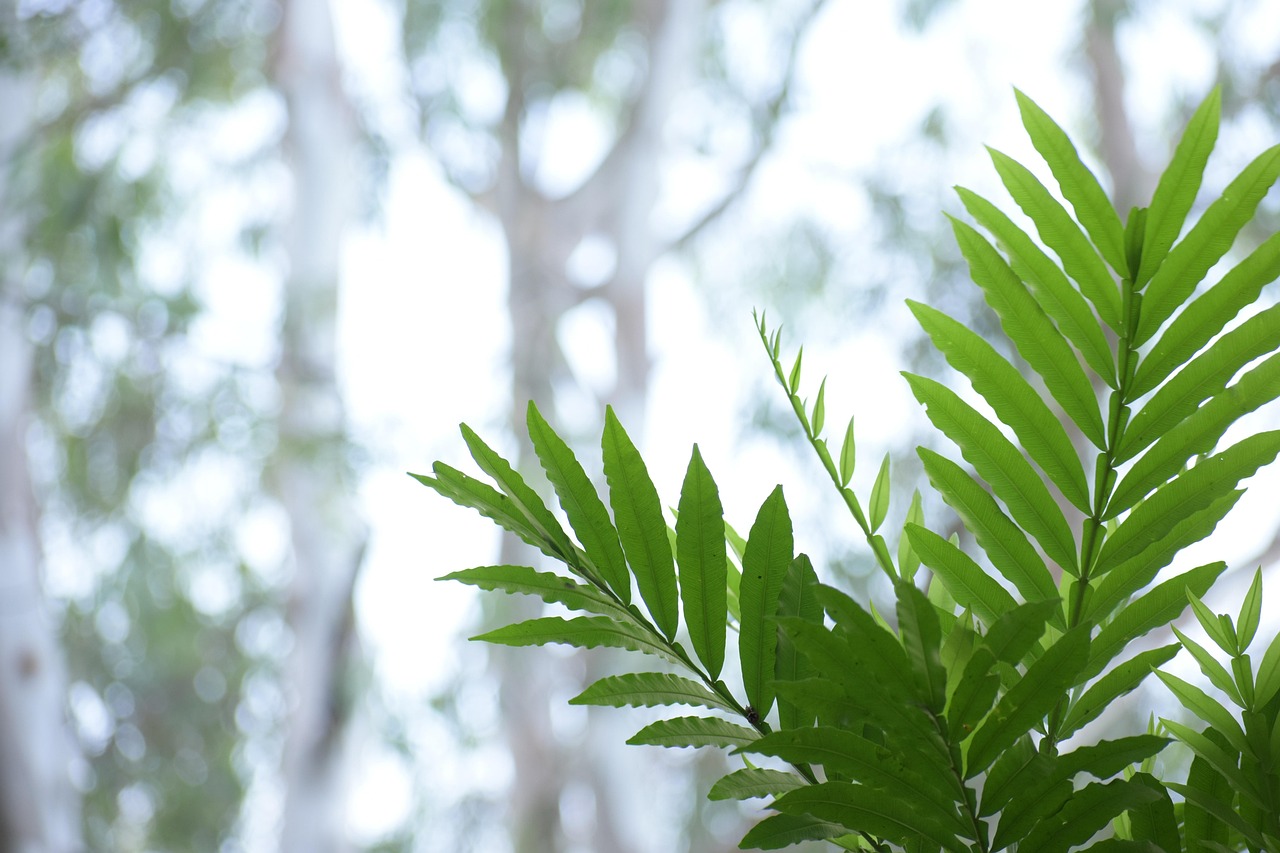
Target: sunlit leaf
1031,331
880,496
1176,191
702,556
1207,241
1079,185
641,527
581,503
998,462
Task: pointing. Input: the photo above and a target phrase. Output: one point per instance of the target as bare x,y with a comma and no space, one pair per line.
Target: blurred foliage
170,636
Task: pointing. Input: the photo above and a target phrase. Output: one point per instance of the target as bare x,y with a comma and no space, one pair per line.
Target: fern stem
877,544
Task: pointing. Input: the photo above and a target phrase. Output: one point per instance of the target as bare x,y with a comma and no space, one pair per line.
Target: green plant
948,730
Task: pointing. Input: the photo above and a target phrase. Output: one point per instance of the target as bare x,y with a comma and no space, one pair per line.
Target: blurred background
258,258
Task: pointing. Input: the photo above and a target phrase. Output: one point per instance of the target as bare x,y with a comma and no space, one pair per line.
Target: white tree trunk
311,471
39,807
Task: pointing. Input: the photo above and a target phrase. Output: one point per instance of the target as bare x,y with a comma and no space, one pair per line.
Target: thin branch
767,125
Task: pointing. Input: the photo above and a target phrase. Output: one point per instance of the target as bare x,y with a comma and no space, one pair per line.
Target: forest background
258,258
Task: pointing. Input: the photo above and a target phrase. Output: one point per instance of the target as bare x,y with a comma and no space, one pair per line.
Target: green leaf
861,808
703,560
693,731
1079,185
641,527
1001,464
1119,681
1157,608
1061,234
1222,811
1208,315
524,498
852,757
1198,434
1250,612
586,512
1002,540
1206,708
1214,671
793,382
1034,803
1177,189
754,782
1185,495
974,694
1268,681
848,456
880,496
1031,331
1207,241
1029,700
586,632
1214,747
1015,633
1223,637
472,493
908,562
1203,378
879,650
1089,810
550,587
647,689
1135,573
799,598
783,830
1020,766
922,639
1012,398
1155,821
968,584
764,567
1048,284
820,408
1203,829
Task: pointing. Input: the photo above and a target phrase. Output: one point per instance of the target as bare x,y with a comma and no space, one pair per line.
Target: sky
423,329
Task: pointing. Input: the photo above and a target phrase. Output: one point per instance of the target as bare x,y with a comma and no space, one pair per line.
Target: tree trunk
311,471
39,807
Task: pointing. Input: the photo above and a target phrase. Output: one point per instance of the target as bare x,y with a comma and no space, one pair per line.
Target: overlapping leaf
587,514
999,463
1208,315
1207,241
1014,401
1061,234
1031,331
968,584
1002,540
1048,283
1204,377
1176,191
1079,185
